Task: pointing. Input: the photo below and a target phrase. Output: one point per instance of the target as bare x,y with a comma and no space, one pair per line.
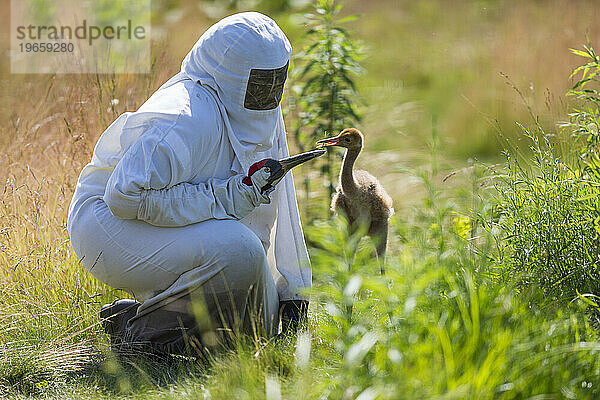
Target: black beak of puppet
291,162
278,168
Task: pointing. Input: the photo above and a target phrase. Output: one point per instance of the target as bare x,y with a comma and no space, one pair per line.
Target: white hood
222,59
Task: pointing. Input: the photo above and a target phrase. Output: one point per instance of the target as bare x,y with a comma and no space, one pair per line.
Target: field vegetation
492,284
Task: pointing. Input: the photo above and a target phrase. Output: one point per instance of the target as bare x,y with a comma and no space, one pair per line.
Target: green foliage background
491,280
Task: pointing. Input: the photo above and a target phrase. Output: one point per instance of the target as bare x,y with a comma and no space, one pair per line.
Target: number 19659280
46,47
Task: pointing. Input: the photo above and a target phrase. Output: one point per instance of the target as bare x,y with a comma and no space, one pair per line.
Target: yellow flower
461,225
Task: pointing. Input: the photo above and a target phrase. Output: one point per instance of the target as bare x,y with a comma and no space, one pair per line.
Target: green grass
547,214
433,326
486,293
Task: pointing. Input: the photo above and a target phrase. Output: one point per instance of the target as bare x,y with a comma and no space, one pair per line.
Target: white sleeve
150,184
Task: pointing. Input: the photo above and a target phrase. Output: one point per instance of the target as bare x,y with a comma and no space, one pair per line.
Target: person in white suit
162,211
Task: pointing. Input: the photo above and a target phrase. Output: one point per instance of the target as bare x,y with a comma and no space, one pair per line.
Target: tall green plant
325,98
550,210
585,119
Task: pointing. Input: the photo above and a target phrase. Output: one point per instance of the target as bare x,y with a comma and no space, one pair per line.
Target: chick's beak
327,142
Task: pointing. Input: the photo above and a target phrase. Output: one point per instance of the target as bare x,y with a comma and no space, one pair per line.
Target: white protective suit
156,210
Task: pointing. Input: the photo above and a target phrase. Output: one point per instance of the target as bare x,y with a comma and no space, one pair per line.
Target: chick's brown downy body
360,196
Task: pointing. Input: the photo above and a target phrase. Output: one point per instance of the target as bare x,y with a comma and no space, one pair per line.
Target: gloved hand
273,168
243,198
258,179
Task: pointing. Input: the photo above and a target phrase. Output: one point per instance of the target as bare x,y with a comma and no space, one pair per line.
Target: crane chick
360,196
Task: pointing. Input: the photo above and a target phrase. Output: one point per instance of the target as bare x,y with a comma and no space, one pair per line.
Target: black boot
292,314
114,318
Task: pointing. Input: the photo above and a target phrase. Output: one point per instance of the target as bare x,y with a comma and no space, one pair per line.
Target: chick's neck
346,174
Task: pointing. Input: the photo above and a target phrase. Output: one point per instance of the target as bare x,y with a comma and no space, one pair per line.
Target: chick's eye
347,139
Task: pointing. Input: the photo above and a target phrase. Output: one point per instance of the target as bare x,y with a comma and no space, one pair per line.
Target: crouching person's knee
246,255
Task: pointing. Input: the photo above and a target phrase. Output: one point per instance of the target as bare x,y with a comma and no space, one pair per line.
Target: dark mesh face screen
265,88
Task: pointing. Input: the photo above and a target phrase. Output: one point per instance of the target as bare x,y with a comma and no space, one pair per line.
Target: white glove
259,179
